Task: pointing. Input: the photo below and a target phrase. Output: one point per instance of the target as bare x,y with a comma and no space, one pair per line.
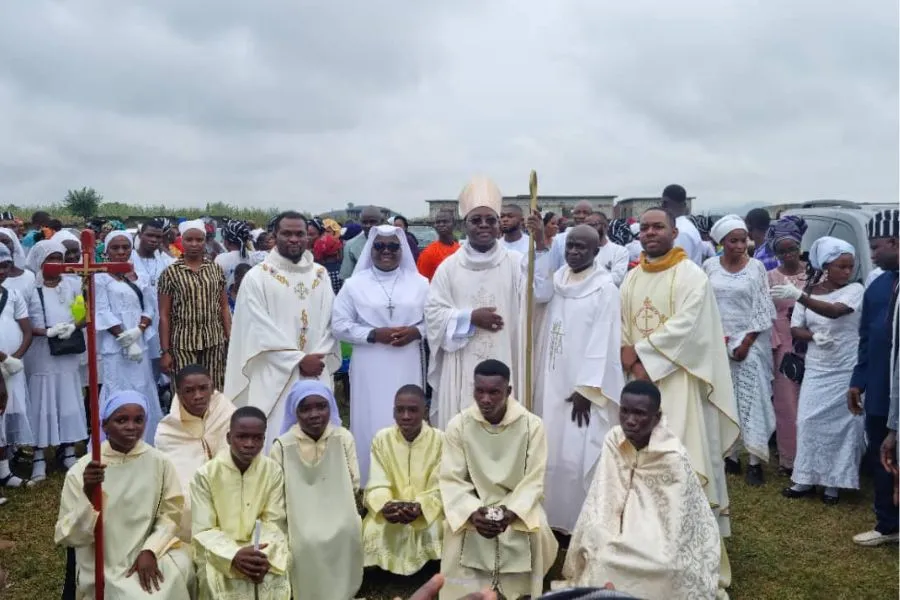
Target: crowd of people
665,350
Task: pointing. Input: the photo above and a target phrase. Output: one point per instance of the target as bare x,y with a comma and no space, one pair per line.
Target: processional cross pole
87,269
529,305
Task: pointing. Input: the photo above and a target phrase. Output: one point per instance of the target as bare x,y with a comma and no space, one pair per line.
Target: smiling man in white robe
476,304
582,374
281,329
380,312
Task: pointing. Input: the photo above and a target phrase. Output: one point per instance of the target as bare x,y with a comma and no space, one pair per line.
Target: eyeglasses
477,221
787,251
389,246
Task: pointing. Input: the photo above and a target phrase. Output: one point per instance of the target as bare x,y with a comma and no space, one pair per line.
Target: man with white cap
476,304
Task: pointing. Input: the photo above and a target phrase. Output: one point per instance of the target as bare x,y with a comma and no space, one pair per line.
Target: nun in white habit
380,310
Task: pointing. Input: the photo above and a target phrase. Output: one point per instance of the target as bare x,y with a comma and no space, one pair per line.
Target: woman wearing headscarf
321,483
783,240
380,310
19,277
124,313
327,251
830,440
239,249
142,503
56,407
742,295
703,223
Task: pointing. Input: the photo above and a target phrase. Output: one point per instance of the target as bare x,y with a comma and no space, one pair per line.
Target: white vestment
377,371
148,271
465,281
283,313
581,341
614,258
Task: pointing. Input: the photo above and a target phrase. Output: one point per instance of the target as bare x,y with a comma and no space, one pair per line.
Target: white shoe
875,538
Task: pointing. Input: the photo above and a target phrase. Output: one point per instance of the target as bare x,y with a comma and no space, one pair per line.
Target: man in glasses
380,311
476,304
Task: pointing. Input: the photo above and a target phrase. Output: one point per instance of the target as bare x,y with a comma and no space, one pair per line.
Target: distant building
354,212
631,208
561,205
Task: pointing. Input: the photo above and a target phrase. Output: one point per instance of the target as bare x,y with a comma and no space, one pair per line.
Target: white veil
407,262
18,251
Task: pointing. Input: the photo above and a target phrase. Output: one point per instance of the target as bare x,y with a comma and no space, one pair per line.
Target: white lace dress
745,306
830,439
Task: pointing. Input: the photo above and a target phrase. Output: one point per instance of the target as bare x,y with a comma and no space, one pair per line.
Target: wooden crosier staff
529,306
86,269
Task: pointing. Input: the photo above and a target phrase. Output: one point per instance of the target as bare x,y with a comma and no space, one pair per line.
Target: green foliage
83,203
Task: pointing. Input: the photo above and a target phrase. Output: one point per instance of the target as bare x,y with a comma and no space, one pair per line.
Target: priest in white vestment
281,330
581,375
646,526
380,310
492,482
672,335
476,304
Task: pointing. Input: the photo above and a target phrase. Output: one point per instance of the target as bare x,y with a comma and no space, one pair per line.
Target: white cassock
283,313
465,281
581,339
614,258
369,300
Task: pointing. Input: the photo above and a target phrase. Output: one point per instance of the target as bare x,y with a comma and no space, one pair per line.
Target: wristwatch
371,337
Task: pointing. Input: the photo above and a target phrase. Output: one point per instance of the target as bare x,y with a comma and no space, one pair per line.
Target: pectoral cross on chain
390,307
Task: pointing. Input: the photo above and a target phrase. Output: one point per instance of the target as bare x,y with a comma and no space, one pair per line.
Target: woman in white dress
56,404
830,439
742,295
19,278
15,338
124,314
381,311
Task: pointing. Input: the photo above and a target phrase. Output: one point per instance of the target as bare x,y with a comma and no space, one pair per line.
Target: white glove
823,339
134,352
129,336
54,331
785,291
11,366
65,330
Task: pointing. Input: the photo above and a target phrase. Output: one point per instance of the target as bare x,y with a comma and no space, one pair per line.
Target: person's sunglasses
389,246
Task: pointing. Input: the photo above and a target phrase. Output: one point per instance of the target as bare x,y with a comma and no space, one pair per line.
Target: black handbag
60,347
793,366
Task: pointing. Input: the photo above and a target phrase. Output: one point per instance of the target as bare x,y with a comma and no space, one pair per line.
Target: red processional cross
86,269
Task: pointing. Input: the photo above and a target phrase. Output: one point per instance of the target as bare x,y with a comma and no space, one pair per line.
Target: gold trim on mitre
480,191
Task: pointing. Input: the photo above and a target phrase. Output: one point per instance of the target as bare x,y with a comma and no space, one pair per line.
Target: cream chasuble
142,504
325,529
672,319
404,471
225,506
646,525
581,341
283,313
189,442
493,465
465,281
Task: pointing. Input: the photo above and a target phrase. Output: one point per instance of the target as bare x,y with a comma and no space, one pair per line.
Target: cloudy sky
311,105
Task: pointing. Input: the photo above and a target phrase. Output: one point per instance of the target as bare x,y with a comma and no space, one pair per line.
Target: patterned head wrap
885,224
619,232
317,223
238,233
789,227
702,222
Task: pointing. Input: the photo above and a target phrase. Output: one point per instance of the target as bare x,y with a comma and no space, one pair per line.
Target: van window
815,228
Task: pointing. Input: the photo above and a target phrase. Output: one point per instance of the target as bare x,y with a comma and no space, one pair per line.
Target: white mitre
480,191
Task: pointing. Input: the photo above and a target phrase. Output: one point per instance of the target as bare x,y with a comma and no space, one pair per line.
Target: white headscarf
64,235
116,401
726,225
304,389
407,262
18,252
186,226
827,249
480,191
38,255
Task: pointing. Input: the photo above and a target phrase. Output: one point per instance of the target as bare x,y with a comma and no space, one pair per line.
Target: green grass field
780,549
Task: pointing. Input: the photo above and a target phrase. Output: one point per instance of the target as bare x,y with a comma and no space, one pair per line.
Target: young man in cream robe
582,374
476,304
404,526
646,526
380,312
232,495
281,329
194,431
492,484
672,335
